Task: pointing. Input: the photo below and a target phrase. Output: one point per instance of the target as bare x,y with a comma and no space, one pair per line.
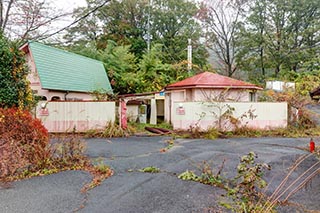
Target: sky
65,6
69,5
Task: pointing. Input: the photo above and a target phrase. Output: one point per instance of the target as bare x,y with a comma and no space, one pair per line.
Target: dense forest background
143,43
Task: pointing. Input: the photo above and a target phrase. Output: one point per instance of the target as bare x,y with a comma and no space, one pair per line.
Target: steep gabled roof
62,70
211,80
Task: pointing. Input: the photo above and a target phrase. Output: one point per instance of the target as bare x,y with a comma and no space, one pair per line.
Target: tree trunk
262,62
277,70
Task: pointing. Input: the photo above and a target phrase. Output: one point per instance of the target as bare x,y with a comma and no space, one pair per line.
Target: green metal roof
62,70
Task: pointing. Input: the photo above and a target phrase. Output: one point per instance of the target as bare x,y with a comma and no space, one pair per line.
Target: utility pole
148,27
189,55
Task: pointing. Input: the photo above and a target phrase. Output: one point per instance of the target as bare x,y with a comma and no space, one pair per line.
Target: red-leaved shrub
23,141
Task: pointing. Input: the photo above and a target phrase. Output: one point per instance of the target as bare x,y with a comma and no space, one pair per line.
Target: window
252,97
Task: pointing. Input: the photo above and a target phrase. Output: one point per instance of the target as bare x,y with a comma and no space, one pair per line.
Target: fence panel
75,116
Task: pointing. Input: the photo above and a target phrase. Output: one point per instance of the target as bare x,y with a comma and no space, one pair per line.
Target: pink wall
206,114
239,95
80,116
198,94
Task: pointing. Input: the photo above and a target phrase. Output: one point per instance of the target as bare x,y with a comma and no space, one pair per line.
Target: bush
211,133
25,150
15,90
23,142
111,130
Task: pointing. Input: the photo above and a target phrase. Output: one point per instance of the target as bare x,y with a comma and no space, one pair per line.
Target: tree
252,51
279,36
220,22
27,19
14,87
86,29
153,72
171,23
126,23
119,63
121,21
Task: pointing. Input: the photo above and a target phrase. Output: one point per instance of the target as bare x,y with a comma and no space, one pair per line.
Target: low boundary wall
78,116
259,115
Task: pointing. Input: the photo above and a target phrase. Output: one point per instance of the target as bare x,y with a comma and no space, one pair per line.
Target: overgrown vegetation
150,169
25,150
14,87
302,122
246,191
111,130
104,95
170,144
24,142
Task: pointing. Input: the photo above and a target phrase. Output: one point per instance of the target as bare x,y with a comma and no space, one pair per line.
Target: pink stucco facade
205,95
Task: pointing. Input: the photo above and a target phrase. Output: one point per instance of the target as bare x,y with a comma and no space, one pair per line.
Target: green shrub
14,87
245,189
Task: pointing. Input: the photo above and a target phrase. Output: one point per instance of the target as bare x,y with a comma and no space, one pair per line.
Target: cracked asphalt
131,191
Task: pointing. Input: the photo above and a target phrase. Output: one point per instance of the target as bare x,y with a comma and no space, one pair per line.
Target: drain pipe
65,95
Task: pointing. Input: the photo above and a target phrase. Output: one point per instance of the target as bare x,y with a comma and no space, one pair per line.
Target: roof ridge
64,51
210,79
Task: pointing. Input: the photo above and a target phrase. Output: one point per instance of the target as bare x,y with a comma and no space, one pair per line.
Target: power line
76,21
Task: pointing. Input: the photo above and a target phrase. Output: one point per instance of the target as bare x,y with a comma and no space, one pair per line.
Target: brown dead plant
287,189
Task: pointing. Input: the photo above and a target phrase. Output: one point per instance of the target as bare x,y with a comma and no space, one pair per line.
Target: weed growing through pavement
246,192
189,175
150,169
245,189
170,144
111,130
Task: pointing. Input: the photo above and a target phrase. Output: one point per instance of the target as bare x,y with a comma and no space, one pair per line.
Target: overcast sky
69,5
65,6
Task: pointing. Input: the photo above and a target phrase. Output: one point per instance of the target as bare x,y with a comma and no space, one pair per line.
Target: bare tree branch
220,19
77,20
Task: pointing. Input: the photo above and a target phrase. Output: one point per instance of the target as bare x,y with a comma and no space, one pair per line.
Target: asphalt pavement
129,190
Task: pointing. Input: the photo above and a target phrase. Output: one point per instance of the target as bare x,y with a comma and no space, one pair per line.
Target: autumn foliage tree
23,139
14,87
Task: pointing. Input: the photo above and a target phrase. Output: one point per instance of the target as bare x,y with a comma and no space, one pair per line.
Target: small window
252,97
55,98
43,98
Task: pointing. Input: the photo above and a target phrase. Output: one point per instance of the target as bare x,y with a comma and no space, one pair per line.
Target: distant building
280,85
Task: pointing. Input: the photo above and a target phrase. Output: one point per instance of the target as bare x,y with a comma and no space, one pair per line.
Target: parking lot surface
129,190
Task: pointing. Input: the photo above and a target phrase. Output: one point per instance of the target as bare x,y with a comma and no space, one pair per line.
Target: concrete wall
79,116
170,98
207,114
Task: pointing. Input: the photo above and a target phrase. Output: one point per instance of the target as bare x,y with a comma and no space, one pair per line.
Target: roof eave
213,87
